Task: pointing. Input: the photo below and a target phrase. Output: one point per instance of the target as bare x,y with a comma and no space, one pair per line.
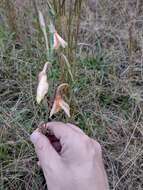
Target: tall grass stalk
68,21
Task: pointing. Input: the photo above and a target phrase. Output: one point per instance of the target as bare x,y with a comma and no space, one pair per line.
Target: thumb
47,155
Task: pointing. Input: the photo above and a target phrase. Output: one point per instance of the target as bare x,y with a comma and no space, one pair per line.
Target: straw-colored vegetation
104,68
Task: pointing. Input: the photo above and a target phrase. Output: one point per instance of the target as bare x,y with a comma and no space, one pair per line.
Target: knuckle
89,144
98,147
86,140
94,147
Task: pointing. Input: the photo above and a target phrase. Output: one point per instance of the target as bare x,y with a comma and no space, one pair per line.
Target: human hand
78,166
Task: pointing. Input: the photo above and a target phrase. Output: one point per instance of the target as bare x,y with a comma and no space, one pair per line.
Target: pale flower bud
58,41
41,20
43,85
43,28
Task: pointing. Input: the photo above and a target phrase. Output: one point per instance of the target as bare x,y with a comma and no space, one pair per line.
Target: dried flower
59,104
43,85
59,41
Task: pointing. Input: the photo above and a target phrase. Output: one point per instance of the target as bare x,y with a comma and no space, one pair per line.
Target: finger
47,155
70,139
66,135
59,129
75,128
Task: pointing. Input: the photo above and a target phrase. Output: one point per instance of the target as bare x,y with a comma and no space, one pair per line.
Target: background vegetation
106,58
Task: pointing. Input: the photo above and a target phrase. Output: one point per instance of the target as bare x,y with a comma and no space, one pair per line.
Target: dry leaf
59,104
43,85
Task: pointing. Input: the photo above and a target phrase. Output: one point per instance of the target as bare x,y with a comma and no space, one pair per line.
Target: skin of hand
78,166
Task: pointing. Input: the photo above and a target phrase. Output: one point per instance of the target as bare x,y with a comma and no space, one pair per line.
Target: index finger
59,129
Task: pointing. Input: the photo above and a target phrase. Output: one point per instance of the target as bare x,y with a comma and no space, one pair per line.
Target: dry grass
115,30
107,95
